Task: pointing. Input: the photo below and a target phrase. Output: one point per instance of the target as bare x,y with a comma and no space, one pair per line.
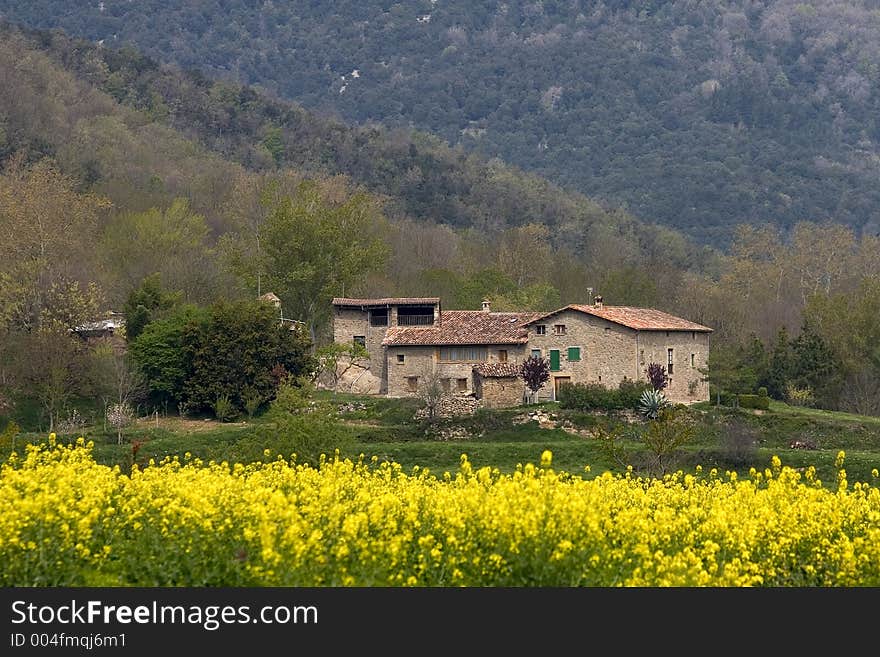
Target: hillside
695,115
417,176
138,173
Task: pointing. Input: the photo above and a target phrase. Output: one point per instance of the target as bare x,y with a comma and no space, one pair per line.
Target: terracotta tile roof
641,319
464,327
386,301
496,370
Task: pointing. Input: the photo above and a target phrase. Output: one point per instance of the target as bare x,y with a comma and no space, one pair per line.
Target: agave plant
651,403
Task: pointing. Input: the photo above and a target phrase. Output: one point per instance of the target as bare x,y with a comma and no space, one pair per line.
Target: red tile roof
464,327
387,301
641,319
496,370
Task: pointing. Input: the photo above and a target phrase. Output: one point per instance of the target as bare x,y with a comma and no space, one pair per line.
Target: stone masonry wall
500,392
349,322
421,361
608,350
687,385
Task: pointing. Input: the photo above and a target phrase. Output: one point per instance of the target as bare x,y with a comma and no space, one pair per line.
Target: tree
173,242
657,376
158,353
233,349
298,426
319,243
815,366
53,227
728,371
779,368
535,372
145,303
49,367
119,383
335,359
432,392
663,436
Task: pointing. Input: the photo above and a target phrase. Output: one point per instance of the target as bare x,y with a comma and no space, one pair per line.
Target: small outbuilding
498,385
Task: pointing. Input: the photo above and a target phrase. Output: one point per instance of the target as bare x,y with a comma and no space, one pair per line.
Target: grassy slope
384,428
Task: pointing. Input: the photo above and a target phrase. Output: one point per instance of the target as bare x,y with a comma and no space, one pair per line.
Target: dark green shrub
754,401
630,392
762,392
596,397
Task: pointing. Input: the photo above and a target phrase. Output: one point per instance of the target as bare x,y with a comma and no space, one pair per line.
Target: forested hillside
700,115
131,186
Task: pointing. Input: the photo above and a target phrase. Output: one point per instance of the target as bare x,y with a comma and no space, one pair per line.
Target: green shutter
554,360
574,353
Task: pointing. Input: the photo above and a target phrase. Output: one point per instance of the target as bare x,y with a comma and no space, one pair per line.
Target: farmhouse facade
412,342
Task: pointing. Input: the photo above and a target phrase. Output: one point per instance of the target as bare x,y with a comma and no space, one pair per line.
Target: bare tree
336,359
432,391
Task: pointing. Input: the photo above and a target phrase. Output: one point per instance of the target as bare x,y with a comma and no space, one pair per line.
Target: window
536,353
574,353
470,354
554,360
401,358
693,360
642,356
502,355
559,329
361,340
693,335
669,361
461,384
415,315
412,383
379,317
541,329
667,334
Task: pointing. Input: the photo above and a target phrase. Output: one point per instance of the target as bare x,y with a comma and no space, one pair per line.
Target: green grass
385,428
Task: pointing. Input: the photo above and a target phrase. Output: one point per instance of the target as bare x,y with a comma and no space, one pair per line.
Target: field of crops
66,520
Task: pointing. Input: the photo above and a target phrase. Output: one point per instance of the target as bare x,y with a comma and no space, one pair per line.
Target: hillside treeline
112,207
696,115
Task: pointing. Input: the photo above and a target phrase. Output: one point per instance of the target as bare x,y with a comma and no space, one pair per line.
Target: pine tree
780,365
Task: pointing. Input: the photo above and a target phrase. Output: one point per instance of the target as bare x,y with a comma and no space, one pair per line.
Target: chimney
597,302
486,305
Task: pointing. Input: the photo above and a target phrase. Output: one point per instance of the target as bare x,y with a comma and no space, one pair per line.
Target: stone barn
498,385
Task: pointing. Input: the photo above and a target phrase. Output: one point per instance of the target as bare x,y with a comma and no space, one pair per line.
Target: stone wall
610,352
499,392
452,406
607,350
421,362
687,385
349,322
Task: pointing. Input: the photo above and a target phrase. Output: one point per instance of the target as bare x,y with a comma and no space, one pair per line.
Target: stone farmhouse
410,340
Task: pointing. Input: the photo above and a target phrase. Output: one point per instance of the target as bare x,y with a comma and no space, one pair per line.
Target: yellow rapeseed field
68,521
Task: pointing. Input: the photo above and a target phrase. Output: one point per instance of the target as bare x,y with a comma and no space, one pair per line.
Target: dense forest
136,187
696,115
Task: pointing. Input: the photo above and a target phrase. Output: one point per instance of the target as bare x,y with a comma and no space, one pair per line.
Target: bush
800,396
739,444
754,401
297,425
762,392
596,397
224,409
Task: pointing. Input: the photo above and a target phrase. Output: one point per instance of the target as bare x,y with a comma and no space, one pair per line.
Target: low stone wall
452,406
